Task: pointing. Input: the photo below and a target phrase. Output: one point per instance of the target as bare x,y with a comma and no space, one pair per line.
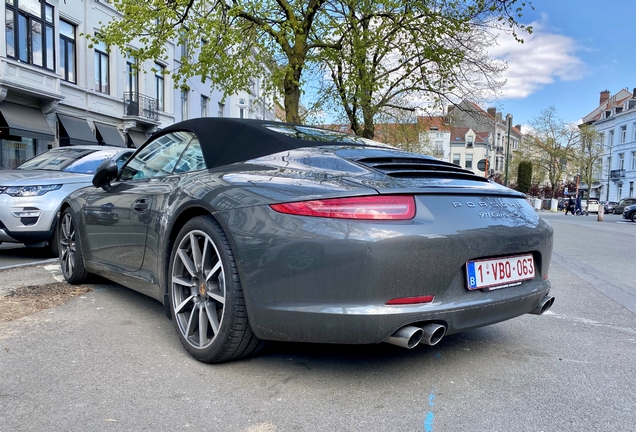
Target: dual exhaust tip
410,336
545,304
430,334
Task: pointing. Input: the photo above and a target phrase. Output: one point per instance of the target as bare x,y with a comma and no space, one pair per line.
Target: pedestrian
578,210
569,206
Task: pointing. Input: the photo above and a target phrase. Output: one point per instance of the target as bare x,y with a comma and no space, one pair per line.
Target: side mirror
105,173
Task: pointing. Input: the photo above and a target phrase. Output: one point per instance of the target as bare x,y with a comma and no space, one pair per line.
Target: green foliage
551,145
524,176
402,55
379,53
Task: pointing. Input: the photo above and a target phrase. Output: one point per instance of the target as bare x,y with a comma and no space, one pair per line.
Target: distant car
608,206
630,212
592,205
31,194
618,208
562,204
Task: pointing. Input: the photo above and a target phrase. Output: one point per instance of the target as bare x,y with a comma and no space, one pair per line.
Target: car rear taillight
377,207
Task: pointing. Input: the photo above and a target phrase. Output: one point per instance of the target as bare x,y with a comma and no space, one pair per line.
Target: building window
102,67
67,51
159,86
469,141
205,102
633,168
610,138
634,131
457,158
623,134
131,75
184,104
631,189
221,109
185,48
469,161
621,161
30,33
619,192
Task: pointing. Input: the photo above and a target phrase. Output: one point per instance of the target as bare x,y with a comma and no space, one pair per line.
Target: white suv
31,194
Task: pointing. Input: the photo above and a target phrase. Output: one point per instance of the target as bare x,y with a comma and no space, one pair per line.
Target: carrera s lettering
498,215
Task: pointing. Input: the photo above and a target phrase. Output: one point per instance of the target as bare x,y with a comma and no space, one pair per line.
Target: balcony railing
139,105
617,173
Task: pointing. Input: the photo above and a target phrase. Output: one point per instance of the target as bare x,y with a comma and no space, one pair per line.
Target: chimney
634,93
605,94
492,111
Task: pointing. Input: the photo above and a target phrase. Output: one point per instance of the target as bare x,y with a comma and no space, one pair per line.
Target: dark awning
137,138
109,135
75,131
20,121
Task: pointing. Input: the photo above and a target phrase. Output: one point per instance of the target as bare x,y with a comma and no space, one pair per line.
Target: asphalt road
111,361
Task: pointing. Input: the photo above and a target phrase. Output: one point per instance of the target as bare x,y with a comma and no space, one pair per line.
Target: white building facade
56,91
615,121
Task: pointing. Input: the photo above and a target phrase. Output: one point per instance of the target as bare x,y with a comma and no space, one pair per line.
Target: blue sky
578,49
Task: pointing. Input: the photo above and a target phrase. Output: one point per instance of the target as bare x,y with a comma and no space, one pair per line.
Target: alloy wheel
67,245
198,289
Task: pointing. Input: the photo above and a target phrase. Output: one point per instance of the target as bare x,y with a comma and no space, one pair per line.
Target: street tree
400,55
588,156
236,40
524,176
551,145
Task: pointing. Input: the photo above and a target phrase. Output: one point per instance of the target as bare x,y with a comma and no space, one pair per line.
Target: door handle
141,205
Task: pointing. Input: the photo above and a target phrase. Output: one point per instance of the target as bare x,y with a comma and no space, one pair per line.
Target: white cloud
543,58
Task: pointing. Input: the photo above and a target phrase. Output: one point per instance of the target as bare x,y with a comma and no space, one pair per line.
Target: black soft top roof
229,140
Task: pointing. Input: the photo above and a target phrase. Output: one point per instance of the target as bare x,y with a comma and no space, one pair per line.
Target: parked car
592,205
618,208
562,204
608,206
630,213
31,194
249,231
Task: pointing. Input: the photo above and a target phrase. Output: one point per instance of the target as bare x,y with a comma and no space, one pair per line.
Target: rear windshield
306,133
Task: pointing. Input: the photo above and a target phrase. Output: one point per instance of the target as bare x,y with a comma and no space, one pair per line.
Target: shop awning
21,121
137,138
109,135
75,131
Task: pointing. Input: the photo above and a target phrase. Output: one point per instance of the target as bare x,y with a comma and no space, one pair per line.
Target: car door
117,219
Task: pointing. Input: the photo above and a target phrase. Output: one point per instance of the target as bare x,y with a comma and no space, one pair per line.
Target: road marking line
591,322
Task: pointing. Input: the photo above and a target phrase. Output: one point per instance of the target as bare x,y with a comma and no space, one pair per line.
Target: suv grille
419,168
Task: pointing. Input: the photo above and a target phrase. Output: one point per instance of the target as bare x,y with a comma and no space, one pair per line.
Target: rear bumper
374,323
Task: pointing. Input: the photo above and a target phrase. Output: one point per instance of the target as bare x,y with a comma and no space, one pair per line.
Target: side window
157,158
121,160
191,159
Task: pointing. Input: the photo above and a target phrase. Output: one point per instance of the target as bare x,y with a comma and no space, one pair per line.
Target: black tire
634,217
70,247
206,297
54,242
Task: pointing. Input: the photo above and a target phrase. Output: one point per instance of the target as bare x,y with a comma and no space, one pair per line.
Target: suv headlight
29,191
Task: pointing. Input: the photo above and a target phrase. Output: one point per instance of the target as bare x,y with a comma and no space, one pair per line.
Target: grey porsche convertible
253,231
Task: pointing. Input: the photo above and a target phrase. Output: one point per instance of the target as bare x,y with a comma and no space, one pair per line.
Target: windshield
84,161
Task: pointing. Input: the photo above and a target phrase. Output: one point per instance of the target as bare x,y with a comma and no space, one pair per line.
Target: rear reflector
411,300
378,207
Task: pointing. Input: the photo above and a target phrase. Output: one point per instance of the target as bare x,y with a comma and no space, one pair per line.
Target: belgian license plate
499,272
